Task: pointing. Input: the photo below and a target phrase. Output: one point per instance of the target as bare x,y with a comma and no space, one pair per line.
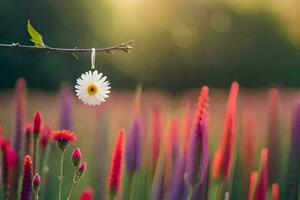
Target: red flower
63,136
87,194
116,164
248,140
223,162
81,169
275,191
156,134
37,120
262,184
252,184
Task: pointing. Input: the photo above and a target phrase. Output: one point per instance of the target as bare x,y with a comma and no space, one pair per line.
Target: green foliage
36,37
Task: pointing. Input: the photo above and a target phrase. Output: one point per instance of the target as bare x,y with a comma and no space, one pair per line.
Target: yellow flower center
92,89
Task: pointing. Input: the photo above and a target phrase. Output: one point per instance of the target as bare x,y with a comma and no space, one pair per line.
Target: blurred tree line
178,44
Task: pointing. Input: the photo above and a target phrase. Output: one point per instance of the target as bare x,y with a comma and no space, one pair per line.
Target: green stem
45,172
127,186
35,139
36,195
44,169
111,196
220,190
74,183
61,177
190,194
71,191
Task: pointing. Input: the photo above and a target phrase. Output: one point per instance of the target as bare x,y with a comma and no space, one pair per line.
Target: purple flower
20,105
177,187
294,160
158,183
197,157
133,146
66,109
197,160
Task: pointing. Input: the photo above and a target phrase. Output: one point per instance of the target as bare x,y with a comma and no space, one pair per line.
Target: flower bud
81,169
36,183
37,120
76,157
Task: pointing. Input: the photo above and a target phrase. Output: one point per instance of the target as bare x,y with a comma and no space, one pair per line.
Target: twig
125,47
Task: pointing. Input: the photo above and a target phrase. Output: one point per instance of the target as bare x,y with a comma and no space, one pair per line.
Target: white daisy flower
92,88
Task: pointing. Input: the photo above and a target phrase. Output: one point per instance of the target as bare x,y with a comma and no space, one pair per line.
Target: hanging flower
92,88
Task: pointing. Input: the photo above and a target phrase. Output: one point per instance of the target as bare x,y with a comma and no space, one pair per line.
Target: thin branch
125,47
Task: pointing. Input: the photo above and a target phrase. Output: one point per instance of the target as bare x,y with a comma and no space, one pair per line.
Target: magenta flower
133,146
87,194
36,183
76,157
27,179
293,178
66,109
37,123
20,105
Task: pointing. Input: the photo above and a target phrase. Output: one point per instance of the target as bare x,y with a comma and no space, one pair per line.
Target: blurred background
178,44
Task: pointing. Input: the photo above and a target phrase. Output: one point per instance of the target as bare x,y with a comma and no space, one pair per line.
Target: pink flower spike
116,165
226,149
27,179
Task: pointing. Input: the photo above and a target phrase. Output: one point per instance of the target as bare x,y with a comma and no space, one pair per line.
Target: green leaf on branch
36,37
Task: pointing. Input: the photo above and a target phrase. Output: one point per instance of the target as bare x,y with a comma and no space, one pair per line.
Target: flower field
204,143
